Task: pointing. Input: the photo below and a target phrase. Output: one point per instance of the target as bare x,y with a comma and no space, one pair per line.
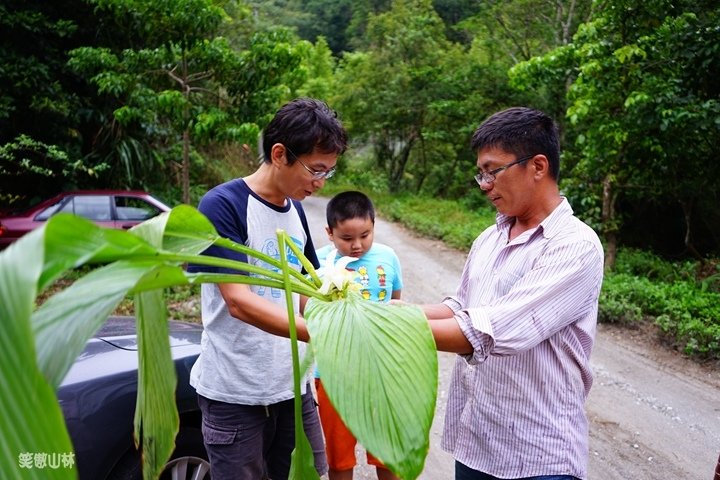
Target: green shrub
648,265
688,316
691,319
620,299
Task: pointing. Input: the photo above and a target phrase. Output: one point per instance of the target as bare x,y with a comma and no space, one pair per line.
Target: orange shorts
339,441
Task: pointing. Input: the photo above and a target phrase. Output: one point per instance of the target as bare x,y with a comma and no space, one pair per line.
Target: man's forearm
437,311
258,312
449,337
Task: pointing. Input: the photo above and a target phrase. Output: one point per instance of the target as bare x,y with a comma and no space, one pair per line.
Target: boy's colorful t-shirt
378,271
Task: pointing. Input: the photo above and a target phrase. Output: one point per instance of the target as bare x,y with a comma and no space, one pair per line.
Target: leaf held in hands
379,366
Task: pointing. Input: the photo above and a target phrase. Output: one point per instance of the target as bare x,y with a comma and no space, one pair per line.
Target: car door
97,208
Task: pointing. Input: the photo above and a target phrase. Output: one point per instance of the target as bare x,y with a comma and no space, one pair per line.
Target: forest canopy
170,96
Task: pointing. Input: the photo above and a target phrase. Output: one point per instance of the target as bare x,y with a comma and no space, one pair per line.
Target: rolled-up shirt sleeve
477,328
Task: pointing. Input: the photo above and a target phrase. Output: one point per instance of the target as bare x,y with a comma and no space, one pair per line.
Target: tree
508,33
318,68
41,102
644,109
186,83
521,29
327,19
385,92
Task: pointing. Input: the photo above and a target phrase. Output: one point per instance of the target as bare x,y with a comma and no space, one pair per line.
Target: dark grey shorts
250,442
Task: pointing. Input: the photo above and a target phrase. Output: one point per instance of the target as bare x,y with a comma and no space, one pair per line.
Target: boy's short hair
347,205
304,125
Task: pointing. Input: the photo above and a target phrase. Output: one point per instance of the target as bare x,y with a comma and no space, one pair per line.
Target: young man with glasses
243,376
523,319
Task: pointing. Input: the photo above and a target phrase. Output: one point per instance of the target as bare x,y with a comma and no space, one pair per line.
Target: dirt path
654,414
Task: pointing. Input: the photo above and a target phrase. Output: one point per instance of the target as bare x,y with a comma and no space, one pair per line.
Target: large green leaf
156,416
379,367
60,327
32,422
182,230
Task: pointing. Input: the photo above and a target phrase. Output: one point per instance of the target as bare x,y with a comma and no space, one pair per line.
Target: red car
108,208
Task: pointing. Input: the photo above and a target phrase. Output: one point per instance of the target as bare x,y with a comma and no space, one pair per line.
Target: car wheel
189,468
188,461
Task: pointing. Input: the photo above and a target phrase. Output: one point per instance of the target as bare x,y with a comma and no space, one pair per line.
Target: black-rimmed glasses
316,174
489,177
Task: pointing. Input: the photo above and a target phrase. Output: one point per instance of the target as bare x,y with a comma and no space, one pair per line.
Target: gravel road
653,414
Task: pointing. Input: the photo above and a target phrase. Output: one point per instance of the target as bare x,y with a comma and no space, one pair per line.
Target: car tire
189,460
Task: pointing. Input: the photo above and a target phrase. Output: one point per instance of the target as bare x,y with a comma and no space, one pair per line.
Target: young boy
350,228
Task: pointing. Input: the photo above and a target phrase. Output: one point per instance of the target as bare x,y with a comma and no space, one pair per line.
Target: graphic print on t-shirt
378,271
270,248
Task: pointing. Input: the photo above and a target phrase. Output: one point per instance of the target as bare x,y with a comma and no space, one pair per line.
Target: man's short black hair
347,205
304,125
522,131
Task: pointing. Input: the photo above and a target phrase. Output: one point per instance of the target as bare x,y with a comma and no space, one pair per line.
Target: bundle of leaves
387,398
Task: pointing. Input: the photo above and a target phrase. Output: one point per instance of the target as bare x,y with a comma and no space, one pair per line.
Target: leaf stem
293,338
195,278
224,242
303,259
225,263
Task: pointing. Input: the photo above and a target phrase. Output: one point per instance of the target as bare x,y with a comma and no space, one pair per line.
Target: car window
47,213
132,208
93,207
